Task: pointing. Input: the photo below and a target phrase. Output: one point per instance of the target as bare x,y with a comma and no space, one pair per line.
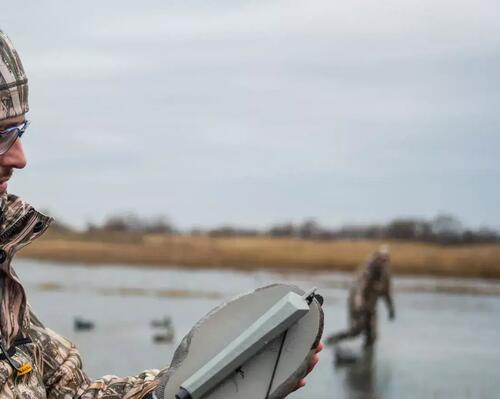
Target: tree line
443,229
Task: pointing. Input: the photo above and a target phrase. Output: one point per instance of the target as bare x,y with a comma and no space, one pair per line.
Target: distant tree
483,235
470,237
409,229
486,234
121,223
129,222
158,225
309,229
196,231
91,227
283,230
447,229
401,229
229,231
374,231
327,235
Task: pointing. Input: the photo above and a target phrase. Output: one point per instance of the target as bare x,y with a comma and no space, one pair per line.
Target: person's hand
314,361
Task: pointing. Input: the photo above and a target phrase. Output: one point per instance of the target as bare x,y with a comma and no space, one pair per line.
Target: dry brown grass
264,252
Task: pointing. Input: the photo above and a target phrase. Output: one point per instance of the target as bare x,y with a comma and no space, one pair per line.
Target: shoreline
264,253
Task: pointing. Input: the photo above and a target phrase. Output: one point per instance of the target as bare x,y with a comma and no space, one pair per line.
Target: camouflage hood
20,224
13,81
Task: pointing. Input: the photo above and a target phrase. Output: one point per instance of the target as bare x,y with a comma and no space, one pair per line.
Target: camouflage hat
13,81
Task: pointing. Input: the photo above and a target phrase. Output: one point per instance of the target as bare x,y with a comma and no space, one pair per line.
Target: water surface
441,345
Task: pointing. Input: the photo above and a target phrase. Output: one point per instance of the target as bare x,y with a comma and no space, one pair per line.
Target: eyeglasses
9,136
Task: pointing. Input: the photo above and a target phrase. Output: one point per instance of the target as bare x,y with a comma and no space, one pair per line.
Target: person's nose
14,158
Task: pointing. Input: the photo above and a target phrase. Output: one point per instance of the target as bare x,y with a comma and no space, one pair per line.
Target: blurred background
180,145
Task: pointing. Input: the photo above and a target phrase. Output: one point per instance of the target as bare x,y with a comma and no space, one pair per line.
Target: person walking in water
372,282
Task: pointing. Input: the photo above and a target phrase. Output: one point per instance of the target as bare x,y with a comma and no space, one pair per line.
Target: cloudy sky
256,112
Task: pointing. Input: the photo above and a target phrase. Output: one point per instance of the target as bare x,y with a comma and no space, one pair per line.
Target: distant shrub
129,222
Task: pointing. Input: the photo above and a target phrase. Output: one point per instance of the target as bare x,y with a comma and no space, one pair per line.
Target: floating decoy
165,337
80,324
166,322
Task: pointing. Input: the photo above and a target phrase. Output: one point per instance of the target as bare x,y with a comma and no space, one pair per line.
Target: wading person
372,282
35,362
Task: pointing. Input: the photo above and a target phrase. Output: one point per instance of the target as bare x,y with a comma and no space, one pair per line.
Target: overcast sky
257,112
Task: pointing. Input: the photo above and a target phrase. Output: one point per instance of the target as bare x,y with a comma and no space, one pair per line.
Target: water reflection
360,377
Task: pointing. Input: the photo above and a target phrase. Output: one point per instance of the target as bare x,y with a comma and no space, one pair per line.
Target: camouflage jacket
368,288
52,365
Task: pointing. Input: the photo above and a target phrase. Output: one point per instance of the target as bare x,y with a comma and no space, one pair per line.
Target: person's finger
300,384
314,362
320,347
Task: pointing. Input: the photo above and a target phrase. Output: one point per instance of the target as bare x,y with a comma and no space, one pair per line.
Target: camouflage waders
372,282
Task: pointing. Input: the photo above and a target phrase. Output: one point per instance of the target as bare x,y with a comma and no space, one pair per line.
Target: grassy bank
263,252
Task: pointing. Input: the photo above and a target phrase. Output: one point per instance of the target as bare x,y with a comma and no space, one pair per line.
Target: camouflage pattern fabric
13,81
372,282
56,363
17,221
